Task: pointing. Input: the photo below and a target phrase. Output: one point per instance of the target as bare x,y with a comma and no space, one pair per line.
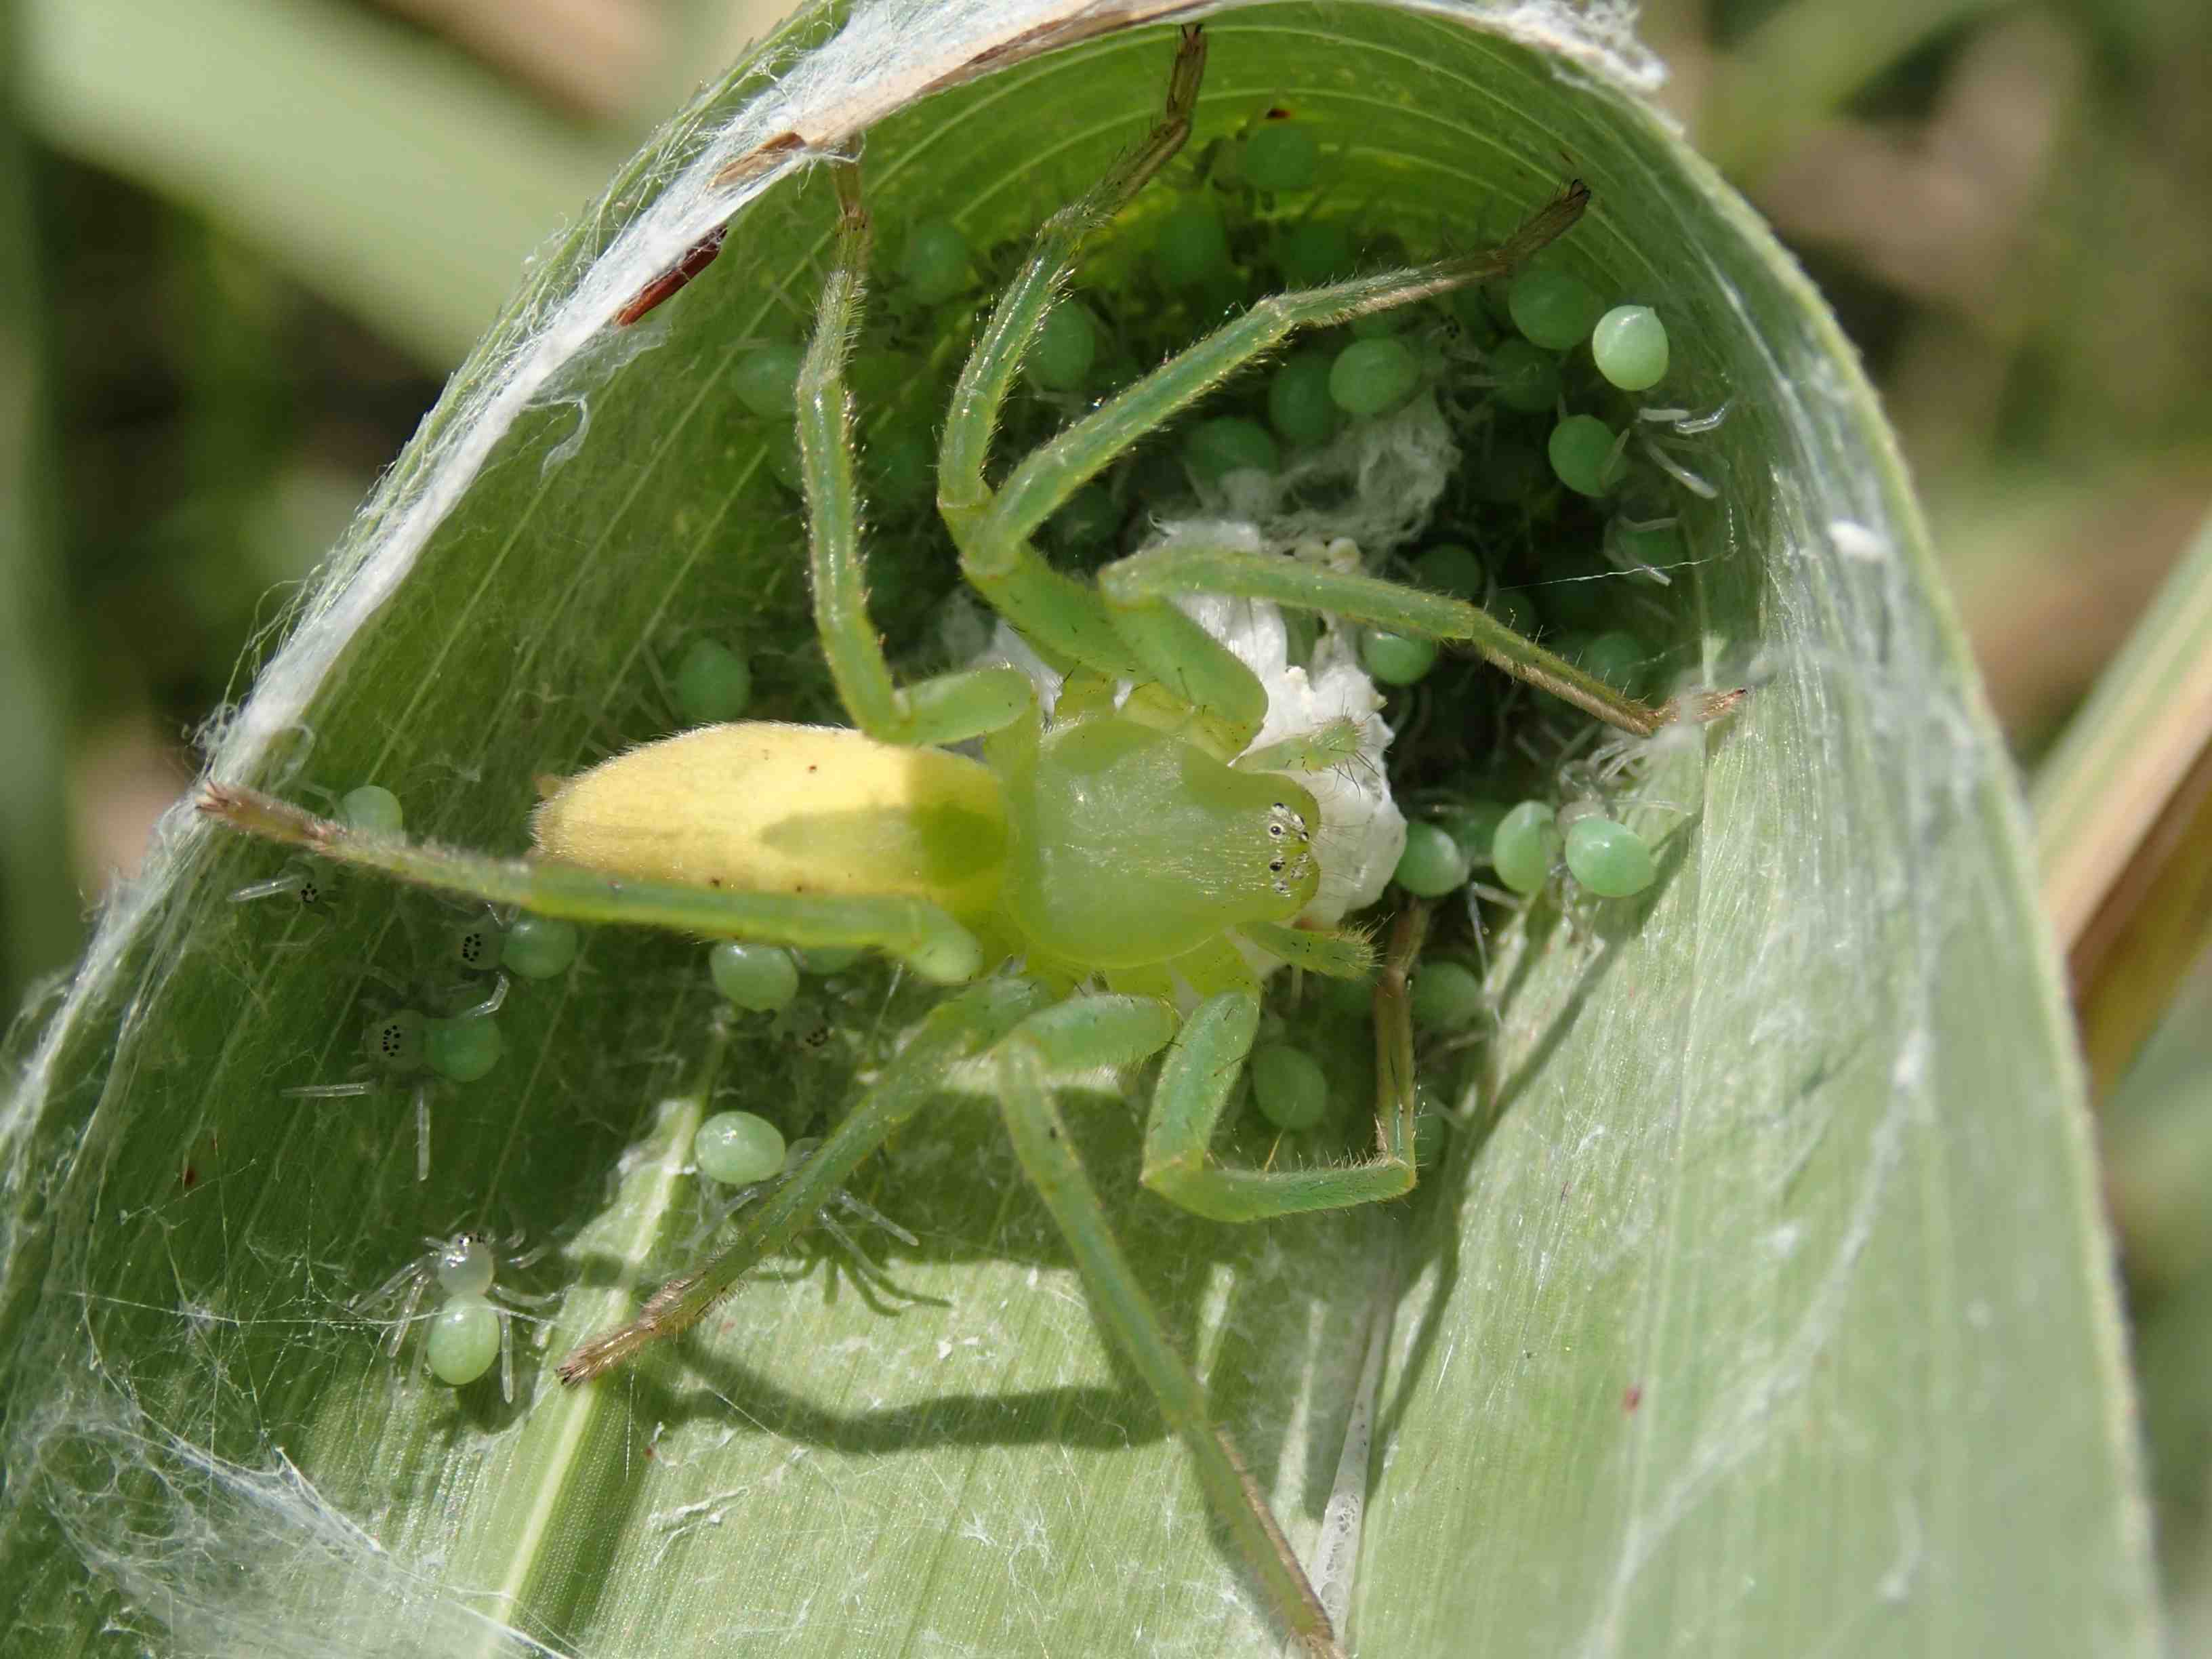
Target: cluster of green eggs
1538,376
1240,219
1526,845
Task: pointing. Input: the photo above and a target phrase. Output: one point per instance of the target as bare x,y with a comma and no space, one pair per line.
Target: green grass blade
376,164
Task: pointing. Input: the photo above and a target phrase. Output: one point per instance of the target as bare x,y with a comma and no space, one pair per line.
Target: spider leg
1067,620
917,931
1200,1074
407,1309
1186,567
1167,645
1041,483
950,707
422,1129
953,1032
1093,1031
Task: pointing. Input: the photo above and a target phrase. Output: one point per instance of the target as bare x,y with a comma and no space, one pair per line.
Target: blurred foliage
242,306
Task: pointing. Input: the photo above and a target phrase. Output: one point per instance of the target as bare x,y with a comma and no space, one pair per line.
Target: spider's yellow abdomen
766,808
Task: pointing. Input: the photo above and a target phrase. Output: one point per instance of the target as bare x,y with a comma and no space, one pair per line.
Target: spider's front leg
950,707
1067,620
1200,1074
917,931
1165,646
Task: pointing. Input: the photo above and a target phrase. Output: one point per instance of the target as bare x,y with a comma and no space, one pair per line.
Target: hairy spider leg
996,556
1132,632
1018,1033
950,707
955,1031
1003,1038
916,931
1192,567
1082,1032
1199,1077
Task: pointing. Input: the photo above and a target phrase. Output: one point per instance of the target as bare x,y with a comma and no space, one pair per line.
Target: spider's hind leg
1078,1034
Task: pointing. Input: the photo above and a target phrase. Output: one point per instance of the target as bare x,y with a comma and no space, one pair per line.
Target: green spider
1110,854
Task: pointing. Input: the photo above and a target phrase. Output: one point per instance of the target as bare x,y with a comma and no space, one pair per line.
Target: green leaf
366,156
1767,1312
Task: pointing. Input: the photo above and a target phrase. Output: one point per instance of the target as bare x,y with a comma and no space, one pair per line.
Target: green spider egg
738,1149
1570,645
1393,658
1346,999
1660,546
712,683
1319,251
1230,443
1527,378
1451,568
1445,996
1298,402
1471,309
779,450
1618,657
827,959
1281,155
1553,309
1428,1136
877,376
1289,1087
758,978
1193,245
1527,842
1578,592
1610,859
372,811
462,1050
935,263
540,947
1370,377
463,1341
1630,348
1585,455
1432,863
766,380
1066,347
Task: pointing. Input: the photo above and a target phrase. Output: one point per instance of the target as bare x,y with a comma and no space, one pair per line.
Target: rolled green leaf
1762,1307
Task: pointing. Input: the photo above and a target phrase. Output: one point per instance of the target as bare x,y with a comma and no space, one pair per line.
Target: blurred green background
242,242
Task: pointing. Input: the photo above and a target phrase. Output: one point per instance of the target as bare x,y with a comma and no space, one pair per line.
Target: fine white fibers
1382,479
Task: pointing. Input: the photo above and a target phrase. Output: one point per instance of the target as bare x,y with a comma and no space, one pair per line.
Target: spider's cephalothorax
1137,839
1132,847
